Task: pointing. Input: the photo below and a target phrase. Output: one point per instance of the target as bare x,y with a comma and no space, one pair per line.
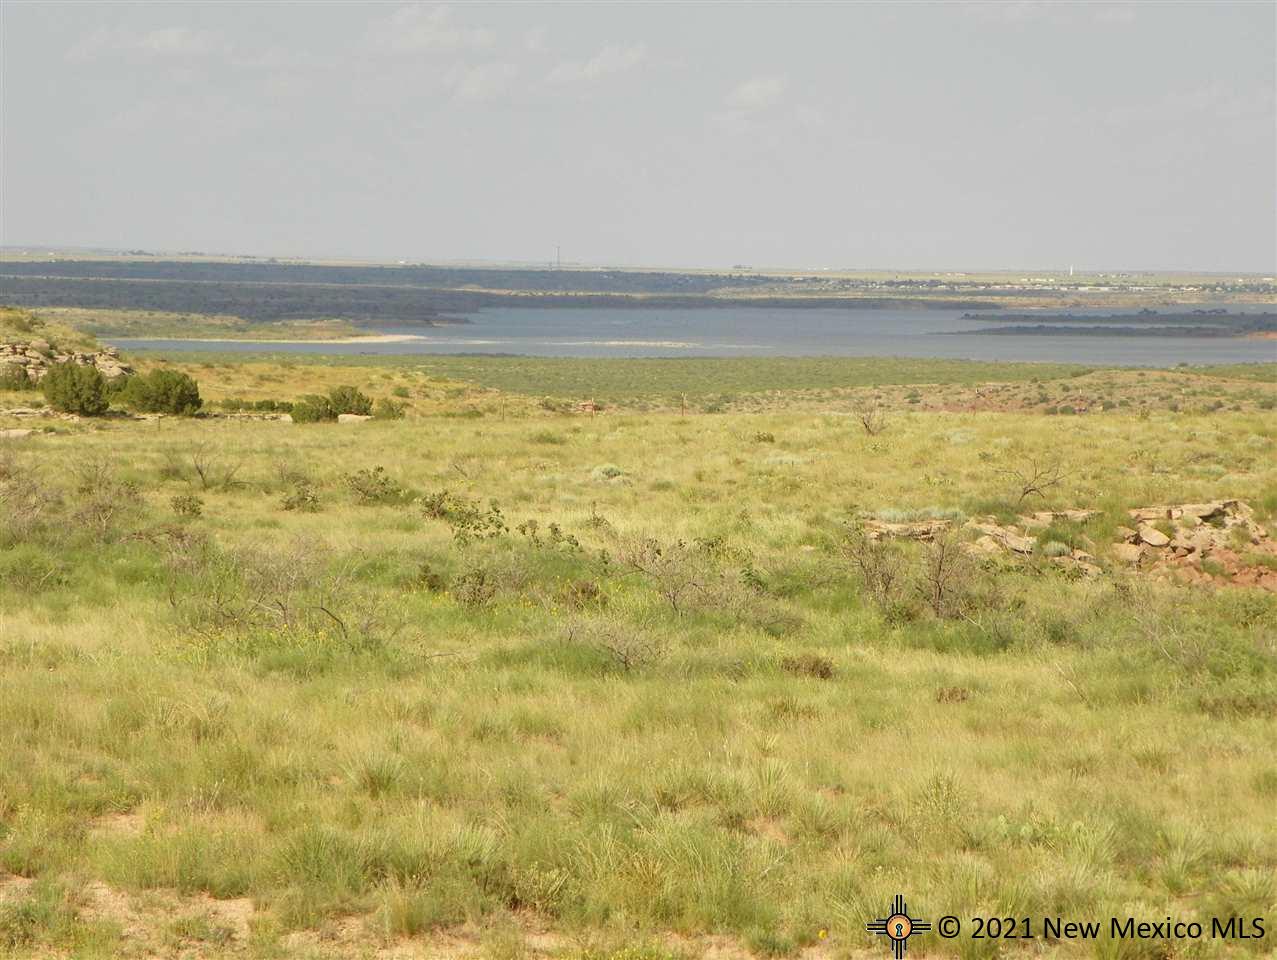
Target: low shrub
162,391
301,498
313,408
607,473
373,486
15,378
808,665
349,400
72,388
187,506
387,409
468,519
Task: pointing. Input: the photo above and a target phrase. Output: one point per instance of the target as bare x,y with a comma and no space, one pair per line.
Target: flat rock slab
1128,552
924,530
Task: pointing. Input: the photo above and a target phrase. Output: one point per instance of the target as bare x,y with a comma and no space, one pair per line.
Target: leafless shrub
290,473
808,665
475,587
285,596
26,504
628,645
678,571
583,594
872,417
8,464
1034,479
91,476
880,565
102,501
947,572
211,470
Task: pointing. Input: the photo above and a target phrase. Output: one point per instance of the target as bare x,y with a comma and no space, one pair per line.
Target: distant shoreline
369,338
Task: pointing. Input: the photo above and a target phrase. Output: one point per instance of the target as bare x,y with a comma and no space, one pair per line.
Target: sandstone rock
924,530
1046,517
1127,534
1007,537
1201,511
1079,566
1154,537
1183,541
16,433
352,418
1130,553
986,545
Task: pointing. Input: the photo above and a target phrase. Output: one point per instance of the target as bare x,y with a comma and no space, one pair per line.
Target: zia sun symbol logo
898,926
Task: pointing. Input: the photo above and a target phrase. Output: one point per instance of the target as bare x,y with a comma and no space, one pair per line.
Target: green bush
313,408
72,388
15,378
386,409
162,391
349,400
187,505
373,486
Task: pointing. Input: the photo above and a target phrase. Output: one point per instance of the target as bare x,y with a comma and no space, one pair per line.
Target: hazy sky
1134,135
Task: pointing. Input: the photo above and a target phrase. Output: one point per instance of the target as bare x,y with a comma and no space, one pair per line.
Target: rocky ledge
35,358
1216,543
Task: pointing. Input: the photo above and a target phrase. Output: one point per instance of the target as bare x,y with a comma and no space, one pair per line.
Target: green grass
626,378
155,324
1263,372
388,729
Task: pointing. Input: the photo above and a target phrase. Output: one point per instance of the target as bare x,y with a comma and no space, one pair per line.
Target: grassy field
155,324
501,386
501,680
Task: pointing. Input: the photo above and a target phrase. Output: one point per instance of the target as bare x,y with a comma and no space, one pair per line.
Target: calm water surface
757,332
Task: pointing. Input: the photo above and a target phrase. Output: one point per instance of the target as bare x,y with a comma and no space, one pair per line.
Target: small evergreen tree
163,391
313,408
72,388
349,400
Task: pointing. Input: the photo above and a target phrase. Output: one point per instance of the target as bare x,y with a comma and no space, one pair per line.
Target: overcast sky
1134,135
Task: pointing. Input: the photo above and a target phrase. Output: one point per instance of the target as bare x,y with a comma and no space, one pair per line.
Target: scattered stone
1044,518
924,530
1127,534
16,433
987,546
1007,537
1130,553
1201,531
352,418
1083,567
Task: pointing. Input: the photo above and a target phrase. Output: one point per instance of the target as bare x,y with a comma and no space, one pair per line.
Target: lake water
756,332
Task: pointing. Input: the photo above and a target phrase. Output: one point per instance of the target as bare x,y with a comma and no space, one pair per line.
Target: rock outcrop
1204,545
1209,543
33,359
